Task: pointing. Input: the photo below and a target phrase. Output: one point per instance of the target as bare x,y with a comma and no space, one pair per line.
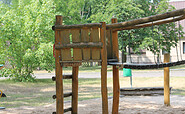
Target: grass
40,92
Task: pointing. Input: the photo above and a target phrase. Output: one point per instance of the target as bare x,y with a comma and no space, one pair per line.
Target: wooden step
64,77
67,94
67,109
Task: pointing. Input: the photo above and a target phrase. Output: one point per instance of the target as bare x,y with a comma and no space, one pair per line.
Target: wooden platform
142,91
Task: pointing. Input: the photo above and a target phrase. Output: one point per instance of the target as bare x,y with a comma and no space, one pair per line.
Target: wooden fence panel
95,37
85,38
66,53
77,52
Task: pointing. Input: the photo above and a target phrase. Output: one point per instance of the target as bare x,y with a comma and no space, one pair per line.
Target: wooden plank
75,90
85,38
95,37
78,26
58,72
77,53
166,81
109,44
104,70
80,45
116,87
66,53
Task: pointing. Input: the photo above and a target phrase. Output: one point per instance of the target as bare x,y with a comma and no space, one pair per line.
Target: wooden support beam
116,87
150,24
79,45
79,26
67,110
166,81
147,19
75,90
58,71
67,94
104,70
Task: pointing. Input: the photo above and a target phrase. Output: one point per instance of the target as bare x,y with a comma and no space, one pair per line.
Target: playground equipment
128,73
2,95
89,43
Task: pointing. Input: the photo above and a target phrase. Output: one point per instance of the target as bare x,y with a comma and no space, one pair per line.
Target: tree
145,38
23,29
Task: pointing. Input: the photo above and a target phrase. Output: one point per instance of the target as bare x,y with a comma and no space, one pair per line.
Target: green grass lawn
40,92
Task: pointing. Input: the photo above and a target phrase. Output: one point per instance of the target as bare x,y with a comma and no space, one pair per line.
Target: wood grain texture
166,81
116,87
77,52
66,53
75,90
104,70
109,44
58,72
95,38
85,38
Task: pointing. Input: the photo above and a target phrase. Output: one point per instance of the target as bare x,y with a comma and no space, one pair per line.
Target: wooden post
116,87
104,70
75,90
166,81
58,71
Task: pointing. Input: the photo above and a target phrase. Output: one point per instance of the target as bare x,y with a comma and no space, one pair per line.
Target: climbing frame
75,44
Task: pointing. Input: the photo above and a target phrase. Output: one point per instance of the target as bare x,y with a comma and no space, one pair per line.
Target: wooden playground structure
98,42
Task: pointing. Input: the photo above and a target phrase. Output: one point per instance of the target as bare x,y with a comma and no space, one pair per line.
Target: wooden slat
109,44
95,37
66,53
104,70
58,71
75,90
80,45
66,110
167,81
77,53
85,38
116,87
67,94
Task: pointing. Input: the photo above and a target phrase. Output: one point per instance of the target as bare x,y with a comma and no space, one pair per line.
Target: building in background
148,56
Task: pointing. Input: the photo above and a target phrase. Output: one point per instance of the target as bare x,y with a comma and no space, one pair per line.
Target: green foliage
23,28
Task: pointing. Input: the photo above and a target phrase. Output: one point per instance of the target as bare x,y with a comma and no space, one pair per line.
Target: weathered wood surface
77,52
116,86
104,70
166,80
109,44
66,53
142,91
151,24
95,38
79,26
80,45
147,19
75,90
58,71
85,38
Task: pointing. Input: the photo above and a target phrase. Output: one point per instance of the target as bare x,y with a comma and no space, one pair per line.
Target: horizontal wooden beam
67,110
79,45
79,26
67,94
150,24
64,77
147,19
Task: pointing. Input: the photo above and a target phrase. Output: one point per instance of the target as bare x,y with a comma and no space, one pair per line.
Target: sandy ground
128,105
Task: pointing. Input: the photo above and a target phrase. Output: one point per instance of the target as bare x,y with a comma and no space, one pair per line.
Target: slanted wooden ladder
75,44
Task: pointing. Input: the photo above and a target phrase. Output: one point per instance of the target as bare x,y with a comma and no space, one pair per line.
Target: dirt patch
128,105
